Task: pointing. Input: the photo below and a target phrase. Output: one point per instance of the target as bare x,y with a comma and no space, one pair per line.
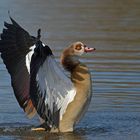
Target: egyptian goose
39,83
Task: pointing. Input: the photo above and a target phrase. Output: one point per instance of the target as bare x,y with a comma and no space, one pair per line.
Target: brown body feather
76,109
81,79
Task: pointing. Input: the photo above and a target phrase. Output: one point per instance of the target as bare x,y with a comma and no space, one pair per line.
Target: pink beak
87,49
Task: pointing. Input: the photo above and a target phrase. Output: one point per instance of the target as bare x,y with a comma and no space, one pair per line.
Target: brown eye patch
78,47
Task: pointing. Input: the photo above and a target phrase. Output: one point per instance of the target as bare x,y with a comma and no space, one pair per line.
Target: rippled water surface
113,28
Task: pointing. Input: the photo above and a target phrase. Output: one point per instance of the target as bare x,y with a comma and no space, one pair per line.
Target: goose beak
87,49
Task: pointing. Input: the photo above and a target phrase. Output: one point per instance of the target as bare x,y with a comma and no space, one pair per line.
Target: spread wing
39,83
51,90
15,43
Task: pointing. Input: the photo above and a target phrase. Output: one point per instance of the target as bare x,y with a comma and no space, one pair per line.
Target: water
113,28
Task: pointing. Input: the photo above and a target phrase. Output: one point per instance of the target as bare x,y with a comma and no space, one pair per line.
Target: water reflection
26,134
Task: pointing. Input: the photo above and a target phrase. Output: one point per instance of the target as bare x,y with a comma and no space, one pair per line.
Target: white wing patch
59,88
29,56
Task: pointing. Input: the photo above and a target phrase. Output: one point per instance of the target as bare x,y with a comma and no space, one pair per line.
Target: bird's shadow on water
25,133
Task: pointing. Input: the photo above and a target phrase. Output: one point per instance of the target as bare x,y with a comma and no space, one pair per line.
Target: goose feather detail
43,85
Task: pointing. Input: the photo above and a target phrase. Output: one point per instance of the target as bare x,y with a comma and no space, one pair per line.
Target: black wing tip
9,13
39,34
10,16
12,20
17,25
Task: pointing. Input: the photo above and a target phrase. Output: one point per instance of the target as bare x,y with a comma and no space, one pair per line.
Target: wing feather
14,46
39,83
51,90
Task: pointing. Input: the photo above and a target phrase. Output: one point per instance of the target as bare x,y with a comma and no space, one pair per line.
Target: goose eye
78,47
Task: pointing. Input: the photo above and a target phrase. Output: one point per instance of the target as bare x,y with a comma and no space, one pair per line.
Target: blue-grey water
113,28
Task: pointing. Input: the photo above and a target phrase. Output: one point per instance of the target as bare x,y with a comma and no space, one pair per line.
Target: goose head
70,56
